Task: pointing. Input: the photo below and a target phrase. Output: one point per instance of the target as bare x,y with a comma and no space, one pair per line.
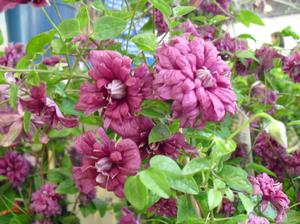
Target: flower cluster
275,156
161,25
46,201
192,74
229,44
253,219
214,8
15,167
12,54
271,192
292,66
105,164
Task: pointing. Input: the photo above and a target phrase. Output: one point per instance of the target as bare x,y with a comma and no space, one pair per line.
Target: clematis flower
160,24
46,201
253,219
43,222
271,192
12,54
292,66
229,44
214,8
119,93
227,207
53,60
205,31
105,164
266,56
191,73
9,4
45,109
15,167
128,217
165,207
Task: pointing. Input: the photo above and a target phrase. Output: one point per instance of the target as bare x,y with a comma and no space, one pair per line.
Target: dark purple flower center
116,89
205,76
103,165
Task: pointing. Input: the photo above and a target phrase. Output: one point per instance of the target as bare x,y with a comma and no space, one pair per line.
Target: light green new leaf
159,133
136,192
247,17
214,198
69,28
196,165
145,41
247,202
108,27
179,11
162,6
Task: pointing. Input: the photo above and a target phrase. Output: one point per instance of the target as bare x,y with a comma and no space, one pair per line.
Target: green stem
57,11
262,115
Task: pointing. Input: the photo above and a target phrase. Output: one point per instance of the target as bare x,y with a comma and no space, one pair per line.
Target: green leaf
69,219
237,219
162,6
145,41
179,11
288,32
246,17
159,133
214,198
156,181
165,164
136,192
3,177
101,206
13,93
155,108
186,184
246,36
247,202
261,169
245,54
217,19
229,194
37,43
33,78
236,178
292,217
221,148
26,121
66,187
83,17
1,37
195,166
186,212
87,209
218,184
108,27
69,28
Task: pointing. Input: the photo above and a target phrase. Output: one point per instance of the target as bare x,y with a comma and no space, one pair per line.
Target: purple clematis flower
43,222
9,4
128,217
271,192
114,89
53,60
192,74
12,55
45,109
105,164
210,7
165,207
292,66
15,167
253,219
46,201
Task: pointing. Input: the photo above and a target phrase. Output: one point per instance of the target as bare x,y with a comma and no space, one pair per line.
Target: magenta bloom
46,201
161,25
114,88
105,164
229,44
191,73
271,192
53,60
45,109
43,222
128,217
227,207
9,4
206,32
253,219
12,54
207,6
165,207
15,167
292,66
266,56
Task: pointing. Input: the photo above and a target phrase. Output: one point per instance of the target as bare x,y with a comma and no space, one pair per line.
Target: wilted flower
292,66
114,89
165,207
45,109
214,8
265,56
191,73
271,192
229,44
15,167
105,164
253,219
53,60
46,201
227,207
12,54
128,217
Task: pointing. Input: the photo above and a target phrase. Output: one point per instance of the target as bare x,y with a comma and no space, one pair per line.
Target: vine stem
57,11
262,115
